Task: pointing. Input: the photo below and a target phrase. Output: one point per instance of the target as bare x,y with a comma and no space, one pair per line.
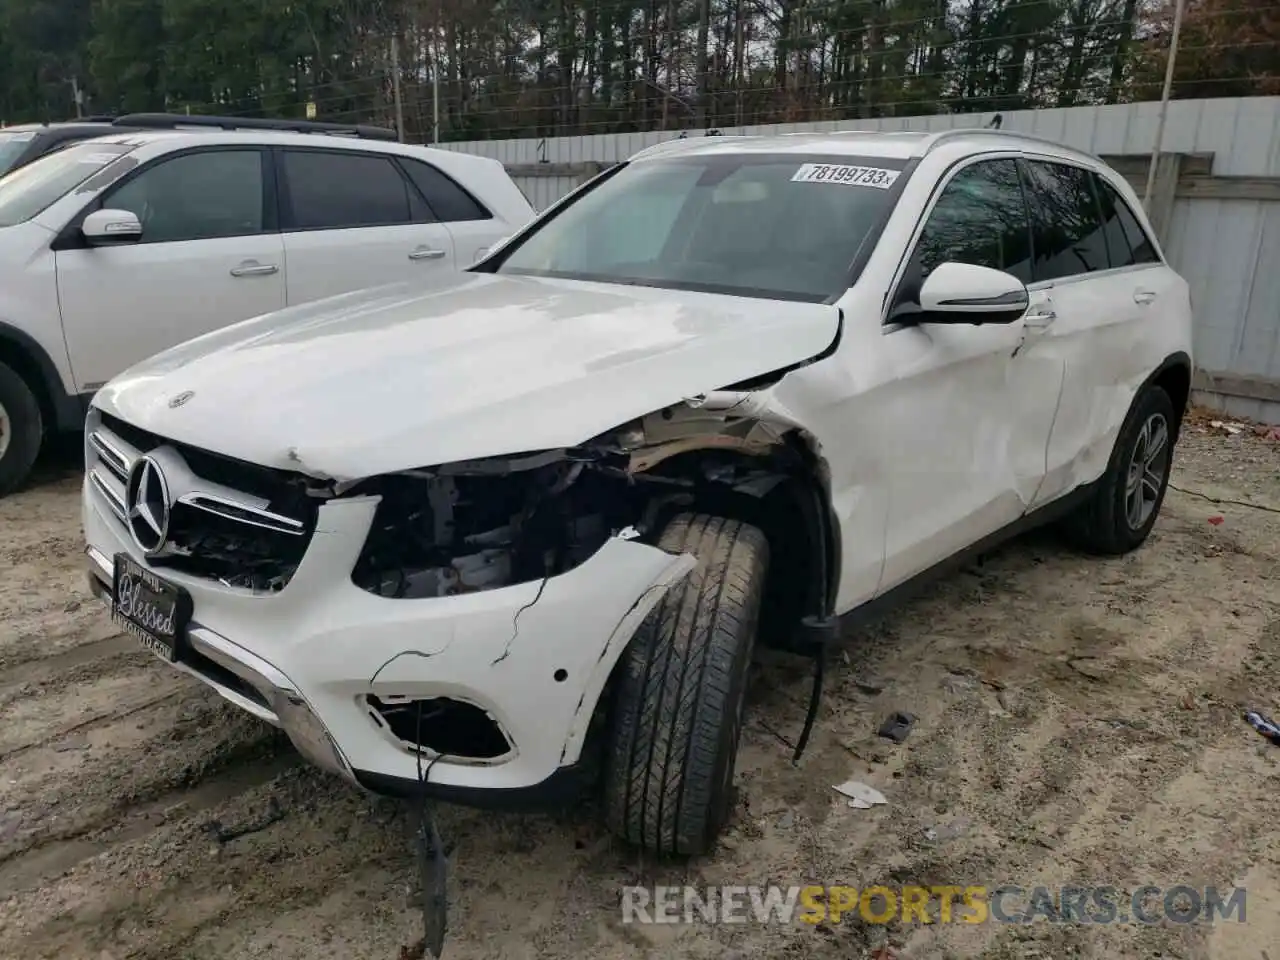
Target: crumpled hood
481,365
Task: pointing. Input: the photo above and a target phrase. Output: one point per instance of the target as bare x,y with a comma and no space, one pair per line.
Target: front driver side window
196,196
980,218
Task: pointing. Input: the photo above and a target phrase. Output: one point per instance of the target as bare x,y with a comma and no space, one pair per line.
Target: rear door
353,220
208,257
472,225
1102,276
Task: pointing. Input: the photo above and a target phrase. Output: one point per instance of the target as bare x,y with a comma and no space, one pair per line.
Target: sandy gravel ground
1079,721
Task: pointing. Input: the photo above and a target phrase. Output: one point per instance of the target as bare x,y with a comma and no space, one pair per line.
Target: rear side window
1066,222
980,218
447,200
333,191
1126,240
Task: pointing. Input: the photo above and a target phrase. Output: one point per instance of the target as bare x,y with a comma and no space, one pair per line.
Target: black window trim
286,221
888,325
1075,277
1156,252
70,237
402,162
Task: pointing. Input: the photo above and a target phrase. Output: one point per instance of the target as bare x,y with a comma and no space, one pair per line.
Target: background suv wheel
21,429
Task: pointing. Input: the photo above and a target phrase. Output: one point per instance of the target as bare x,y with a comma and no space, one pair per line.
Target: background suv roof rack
174,121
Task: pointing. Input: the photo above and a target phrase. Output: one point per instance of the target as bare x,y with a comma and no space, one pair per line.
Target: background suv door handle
426,253
252,268
1143,296
1039,318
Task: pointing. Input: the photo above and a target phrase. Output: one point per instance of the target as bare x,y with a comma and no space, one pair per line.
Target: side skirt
836,630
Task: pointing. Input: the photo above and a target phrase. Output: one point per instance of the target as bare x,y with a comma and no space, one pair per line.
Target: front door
975,405
208,257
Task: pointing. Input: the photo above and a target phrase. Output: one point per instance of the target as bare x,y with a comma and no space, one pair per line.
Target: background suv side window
1126,239
980,218
196,196
448,201
333,191
1065,221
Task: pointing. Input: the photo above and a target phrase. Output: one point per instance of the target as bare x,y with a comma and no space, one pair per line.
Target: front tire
1119,515
677,713
21,430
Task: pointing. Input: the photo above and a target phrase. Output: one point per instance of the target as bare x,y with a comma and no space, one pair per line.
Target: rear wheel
677,714
21,430
1123,508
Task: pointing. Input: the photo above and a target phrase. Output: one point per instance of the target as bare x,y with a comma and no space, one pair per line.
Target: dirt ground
1079,721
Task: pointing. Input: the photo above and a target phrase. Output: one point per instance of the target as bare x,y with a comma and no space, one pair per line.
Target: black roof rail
175,121
96,118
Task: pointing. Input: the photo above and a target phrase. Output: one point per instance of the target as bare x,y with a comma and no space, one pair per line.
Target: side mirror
104,228
966,293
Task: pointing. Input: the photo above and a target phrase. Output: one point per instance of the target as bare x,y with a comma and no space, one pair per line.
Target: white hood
401,377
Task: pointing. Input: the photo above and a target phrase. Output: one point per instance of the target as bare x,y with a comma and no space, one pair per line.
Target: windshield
12,146
746,224
27,191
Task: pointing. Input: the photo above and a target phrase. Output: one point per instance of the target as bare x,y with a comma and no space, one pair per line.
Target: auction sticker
850,176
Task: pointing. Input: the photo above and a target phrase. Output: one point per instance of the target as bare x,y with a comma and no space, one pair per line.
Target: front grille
237,523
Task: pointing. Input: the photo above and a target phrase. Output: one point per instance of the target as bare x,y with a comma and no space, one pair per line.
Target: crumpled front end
458,622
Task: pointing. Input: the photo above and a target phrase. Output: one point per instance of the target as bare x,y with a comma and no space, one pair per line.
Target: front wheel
21,430
1123,508
677,715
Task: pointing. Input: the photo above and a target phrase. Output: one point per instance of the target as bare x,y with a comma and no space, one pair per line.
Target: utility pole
78,97
738,72
395,86
1179,7
435,78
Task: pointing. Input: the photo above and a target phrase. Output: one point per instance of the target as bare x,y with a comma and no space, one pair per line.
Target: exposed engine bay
482,524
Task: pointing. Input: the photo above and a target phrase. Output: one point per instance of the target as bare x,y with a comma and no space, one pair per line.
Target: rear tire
677,712
21,430
1119,515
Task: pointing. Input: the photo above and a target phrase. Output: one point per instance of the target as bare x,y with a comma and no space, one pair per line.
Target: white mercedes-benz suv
482,540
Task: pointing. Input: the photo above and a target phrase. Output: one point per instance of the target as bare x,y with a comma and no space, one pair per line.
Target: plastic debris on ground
1217,520
1265,726
1228,428
861,796
898,727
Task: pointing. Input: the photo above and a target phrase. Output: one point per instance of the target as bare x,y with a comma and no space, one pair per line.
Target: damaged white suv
531,524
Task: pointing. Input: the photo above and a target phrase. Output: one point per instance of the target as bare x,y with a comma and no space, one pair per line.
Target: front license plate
155,611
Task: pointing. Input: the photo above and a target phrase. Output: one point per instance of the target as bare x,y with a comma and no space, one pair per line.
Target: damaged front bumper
330,663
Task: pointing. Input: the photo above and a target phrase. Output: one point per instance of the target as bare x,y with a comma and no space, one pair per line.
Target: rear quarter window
448,201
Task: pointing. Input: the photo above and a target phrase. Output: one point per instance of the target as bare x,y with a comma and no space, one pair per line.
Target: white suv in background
734,389
116,248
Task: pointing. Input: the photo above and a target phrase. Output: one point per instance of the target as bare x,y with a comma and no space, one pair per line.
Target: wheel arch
1173,376
21,353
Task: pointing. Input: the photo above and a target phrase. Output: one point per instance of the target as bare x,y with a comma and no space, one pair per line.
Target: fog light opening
441,725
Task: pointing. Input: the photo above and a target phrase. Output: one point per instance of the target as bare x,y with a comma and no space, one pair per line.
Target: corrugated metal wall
1229,250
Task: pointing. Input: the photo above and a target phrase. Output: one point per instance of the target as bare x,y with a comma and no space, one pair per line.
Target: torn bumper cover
329,662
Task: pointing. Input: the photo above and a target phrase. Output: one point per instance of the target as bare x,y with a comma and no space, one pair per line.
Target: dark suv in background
21,144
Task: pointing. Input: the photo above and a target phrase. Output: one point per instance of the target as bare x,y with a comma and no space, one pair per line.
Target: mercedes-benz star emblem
147,502
180,399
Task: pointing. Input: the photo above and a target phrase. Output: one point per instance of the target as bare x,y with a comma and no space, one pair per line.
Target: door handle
1040,319
252,268
1143,296
426,253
